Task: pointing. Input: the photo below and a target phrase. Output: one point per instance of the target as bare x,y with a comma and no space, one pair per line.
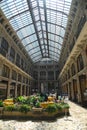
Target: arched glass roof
40,25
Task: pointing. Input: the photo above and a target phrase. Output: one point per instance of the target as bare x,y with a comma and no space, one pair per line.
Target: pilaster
9,82
16,86
20,89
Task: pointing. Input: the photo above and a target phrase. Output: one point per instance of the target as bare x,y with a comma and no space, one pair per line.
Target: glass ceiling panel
36,54
40,25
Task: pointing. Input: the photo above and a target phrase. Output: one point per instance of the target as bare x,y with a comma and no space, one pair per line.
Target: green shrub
1,103
24,108
37,104
21,99
32,100
62,103
38,94
59,106
51,108
10,108
65,106
27,100
41,99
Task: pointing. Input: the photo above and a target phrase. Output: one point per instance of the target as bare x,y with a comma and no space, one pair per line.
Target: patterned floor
76,121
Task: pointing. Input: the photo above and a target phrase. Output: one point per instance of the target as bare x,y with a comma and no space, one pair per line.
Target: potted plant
24,108
16,111
65,107
1,106
51,110
1,103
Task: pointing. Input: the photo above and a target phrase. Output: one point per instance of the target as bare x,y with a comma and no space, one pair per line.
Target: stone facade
15,65
73,74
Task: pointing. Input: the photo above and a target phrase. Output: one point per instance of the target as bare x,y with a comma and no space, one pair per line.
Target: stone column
8,54
46,75
72,91
78,83
0,38
24,89
68,91
28,89
16,90
21,89
1,67
15,58
84,56
16,86
79,91
54,75
9,82
39,81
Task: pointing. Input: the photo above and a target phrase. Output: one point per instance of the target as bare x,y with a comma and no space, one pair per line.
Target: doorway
75,90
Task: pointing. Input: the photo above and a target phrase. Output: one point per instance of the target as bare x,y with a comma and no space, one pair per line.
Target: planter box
16,114
1,110
65,110
47,114
34,109
35,114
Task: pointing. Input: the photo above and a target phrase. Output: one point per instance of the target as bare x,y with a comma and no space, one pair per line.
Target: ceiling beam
54,56
29,43
18,14
55,24
54,52
55,34
34,23
56,60
54,47
55,42
23,27
45,39
45,15
33,48
40,31
41,25
28,36
55,10
38,60
35,56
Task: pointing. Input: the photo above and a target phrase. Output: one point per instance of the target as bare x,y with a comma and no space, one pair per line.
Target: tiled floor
76,121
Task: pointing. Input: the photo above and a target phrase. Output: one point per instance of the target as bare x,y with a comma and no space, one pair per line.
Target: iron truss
40,25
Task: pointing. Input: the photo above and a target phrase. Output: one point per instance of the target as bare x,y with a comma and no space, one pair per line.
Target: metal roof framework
40,25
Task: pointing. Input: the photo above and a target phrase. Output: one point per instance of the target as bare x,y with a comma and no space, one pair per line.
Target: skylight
40,25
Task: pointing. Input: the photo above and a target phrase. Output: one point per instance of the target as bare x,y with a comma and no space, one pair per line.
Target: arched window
73,71
12,54
42,75
68,73
80,63
14,75
5,71
50,75
4,47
